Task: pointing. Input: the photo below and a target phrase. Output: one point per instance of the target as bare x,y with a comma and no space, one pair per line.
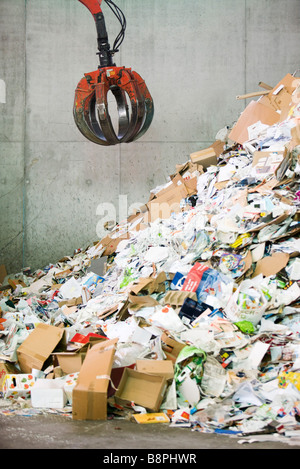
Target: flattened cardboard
116,375
254,112
270,265
277,220
163,368
90,393
36,349
142,389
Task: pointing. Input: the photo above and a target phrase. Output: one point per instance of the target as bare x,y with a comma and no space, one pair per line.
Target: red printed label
194,277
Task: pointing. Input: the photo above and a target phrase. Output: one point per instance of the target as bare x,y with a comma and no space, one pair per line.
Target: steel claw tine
148,119
84,96
149,106
102,89
122,110
137,105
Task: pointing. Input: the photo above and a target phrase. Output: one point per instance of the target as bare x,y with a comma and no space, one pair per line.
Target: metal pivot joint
105,54
134,103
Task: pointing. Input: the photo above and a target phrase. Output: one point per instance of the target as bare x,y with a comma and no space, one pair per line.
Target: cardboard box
35,351
116,376
7,369
141,389
205,158
70,362
18,385
48,393
171,347
164,368
90,392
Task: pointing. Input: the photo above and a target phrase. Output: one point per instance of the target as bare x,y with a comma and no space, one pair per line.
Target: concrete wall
195,57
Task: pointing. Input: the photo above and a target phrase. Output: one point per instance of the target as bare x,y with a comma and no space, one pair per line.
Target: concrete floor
53,431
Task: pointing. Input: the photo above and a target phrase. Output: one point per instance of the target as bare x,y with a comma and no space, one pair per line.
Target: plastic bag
212,287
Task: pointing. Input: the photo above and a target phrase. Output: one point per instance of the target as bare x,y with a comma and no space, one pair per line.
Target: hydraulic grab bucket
134,103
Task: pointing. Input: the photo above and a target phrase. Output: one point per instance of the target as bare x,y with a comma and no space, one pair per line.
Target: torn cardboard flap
141,301
70,303
111,243
167,201
280,97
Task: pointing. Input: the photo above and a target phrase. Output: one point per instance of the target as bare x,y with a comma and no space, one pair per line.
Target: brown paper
271,265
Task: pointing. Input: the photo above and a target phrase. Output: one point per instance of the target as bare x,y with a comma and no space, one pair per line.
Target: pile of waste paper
187,312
